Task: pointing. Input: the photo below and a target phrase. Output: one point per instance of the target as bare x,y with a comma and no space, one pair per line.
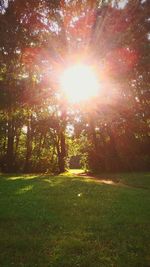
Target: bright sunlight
79,83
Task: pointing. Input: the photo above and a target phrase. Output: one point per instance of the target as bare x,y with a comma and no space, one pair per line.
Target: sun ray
79,83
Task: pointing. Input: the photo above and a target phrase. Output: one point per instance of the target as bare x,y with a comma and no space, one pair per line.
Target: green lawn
68,221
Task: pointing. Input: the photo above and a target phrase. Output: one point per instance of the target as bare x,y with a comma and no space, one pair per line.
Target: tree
38,40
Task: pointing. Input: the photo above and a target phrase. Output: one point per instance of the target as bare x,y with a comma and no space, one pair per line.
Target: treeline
39,130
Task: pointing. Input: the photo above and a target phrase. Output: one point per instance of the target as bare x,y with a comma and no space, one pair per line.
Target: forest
40,129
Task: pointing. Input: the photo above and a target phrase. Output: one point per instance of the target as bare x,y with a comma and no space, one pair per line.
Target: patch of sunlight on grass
52,182
106,181
76,171
72,172
24,189
27,177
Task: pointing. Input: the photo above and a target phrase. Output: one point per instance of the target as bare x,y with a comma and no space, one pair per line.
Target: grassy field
69,220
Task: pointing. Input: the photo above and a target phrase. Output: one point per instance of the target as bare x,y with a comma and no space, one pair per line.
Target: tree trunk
62,153
18,133
93,135
28,145
114,164
61,146
10,145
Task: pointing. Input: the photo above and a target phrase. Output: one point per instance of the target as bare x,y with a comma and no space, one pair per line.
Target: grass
72,221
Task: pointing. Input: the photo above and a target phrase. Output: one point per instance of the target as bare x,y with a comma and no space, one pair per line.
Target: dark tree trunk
28,145
93,135
18,133
61,148
40,146
10,146
63,152
115,162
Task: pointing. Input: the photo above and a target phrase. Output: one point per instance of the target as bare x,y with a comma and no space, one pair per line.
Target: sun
79,83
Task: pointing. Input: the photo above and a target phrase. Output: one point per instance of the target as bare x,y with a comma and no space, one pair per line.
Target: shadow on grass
70,221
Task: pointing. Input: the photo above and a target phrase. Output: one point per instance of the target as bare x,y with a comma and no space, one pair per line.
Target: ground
74,220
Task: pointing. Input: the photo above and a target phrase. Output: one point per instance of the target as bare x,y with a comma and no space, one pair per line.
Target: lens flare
79,83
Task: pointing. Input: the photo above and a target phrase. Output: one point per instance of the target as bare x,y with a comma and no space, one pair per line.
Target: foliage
38,38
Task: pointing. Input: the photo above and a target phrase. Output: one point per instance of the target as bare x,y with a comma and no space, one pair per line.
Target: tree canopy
39,129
